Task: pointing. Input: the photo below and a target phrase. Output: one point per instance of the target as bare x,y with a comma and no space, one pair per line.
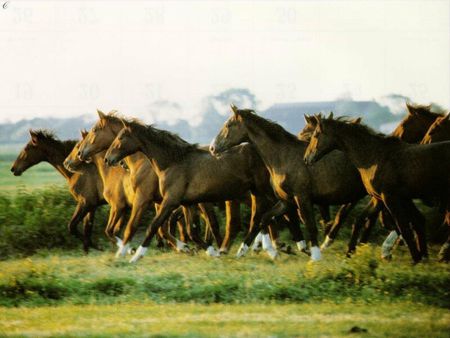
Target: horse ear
307,118
447,116
410,108
101,114
34,136
234,109
84,133
357,120
318,119
330,117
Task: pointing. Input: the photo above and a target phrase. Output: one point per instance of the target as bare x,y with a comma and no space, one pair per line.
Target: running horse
326,183
189,175
85,186
394,172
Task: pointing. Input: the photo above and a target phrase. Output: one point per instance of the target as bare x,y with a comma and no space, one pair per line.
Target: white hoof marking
388,244
211,252
182,247
272,253
122,250
257,242
301,245
140,252
315,253
242,250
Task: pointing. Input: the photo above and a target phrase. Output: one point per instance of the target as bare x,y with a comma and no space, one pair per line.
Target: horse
439,132
392,171
145,187
326,183
416,123
411,129
86,186
189,175
117,192
331,229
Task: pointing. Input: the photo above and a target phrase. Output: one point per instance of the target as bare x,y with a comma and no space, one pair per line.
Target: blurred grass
218,320
50,278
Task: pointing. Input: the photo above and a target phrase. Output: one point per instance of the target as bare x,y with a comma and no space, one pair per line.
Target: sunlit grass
193,320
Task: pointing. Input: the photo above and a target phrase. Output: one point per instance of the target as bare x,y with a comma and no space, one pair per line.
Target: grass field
48,288
170,294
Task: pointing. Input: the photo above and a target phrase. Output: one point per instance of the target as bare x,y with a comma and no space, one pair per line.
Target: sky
70,58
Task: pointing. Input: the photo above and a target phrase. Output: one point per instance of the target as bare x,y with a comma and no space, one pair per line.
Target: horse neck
271,151
159,157
135,161
56,157
102,168
362,148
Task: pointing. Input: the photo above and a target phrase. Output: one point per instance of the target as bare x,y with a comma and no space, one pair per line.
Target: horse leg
324,213
88,223
261,222
292,221
341,215
444,252
306,213
233,223
418,224
366,219
80,212
192,227
399,210
163,214
212,226
137,210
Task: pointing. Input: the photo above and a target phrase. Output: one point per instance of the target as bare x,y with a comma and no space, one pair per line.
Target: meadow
48,287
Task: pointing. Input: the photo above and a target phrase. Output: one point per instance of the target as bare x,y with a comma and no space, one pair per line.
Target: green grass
192,320
170,294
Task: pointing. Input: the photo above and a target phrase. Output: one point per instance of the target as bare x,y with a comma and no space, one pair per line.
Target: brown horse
439,132
331,229
86,186
411,129
416,123
144,185
189,175
118,193
326,183
392,171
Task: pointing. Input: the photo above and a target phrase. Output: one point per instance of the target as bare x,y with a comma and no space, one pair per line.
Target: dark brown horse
439,132
326,183
189,175
86,186
392,171
144,185
416,123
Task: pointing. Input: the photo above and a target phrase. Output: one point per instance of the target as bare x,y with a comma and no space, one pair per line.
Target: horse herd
254,161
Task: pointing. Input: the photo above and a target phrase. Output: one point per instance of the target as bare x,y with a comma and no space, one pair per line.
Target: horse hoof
242,250
223,251
211,252
387,258
273,254
140,252
131,251
315,254
326,243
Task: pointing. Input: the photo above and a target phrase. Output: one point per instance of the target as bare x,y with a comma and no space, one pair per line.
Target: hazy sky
65,59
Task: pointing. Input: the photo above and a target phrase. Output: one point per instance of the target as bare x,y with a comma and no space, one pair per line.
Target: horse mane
172,143
360,128
273,129
50,137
